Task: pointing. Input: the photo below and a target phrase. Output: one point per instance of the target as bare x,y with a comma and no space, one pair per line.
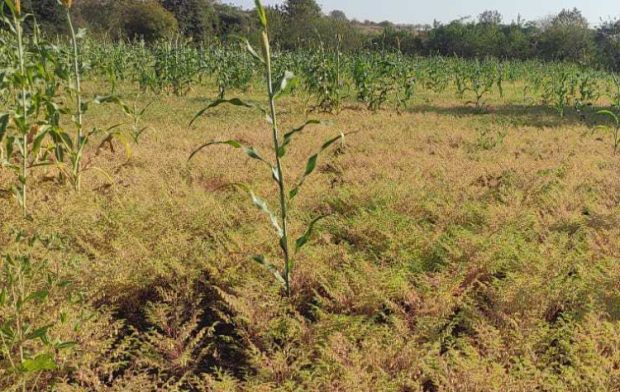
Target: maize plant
377,78
615,91
22,131
323,77
587,91
70,148
477,77
405,84
435,74
232,71
557,90
280,144
26,285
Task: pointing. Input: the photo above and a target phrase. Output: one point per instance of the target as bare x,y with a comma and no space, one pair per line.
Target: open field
458,218
465,250
187,215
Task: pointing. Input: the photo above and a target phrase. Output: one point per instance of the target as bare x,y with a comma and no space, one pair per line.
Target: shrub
149,20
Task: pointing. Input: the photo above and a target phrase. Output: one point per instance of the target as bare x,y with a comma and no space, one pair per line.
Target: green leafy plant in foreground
280,145
21,129
27,351
70,148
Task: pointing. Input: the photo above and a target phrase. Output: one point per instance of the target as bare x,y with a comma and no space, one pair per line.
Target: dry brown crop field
376,222
463,251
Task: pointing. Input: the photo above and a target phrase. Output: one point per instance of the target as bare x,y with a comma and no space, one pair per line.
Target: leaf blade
249,151
303,240
312,164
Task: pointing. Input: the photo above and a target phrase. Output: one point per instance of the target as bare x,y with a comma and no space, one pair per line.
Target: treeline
566,36
301,24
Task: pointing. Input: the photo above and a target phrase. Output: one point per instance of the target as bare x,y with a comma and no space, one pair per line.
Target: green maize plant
281,143
586,85
434,74
142,71
135,114
614,129
558,89
176,66
79,140
232,70
483,78
384,83
27,286
70,149
460,79
405,84
615,92
377,78
534,83
323,80
111,60
502,70
477,77
21,131
361,78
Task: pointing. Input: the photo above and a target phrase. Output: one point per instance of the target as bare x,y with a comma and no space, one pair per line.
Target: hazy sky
417,11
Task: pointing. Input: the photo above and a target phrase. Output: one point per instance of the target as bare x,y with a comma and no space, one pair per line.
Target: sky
424,12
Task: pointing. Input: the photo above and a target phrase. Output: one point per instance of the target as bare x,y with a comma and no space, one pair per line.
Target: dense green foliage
148,21
299,24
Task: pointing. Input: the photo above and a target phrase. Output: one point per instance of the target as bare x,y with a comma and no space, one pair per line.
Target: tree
404,41
570,18
148,20
490,18
302,18
338,15
233,21
101,16
196,18
302,10
608,44
277,25
339,33
518,41
48,14
451,39
567,38
487,39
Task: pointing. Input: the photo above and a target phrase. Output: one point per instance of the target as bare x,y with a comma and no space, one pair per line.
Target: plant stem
17,298
281,184
78,113
22,70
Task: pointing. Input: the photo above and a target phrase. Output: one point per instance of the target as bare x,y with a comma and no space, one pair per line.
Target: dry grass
455,259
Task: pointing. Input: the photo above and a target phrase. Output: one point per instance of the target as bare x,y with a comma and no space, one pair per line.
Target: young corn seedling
136,114
281,143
